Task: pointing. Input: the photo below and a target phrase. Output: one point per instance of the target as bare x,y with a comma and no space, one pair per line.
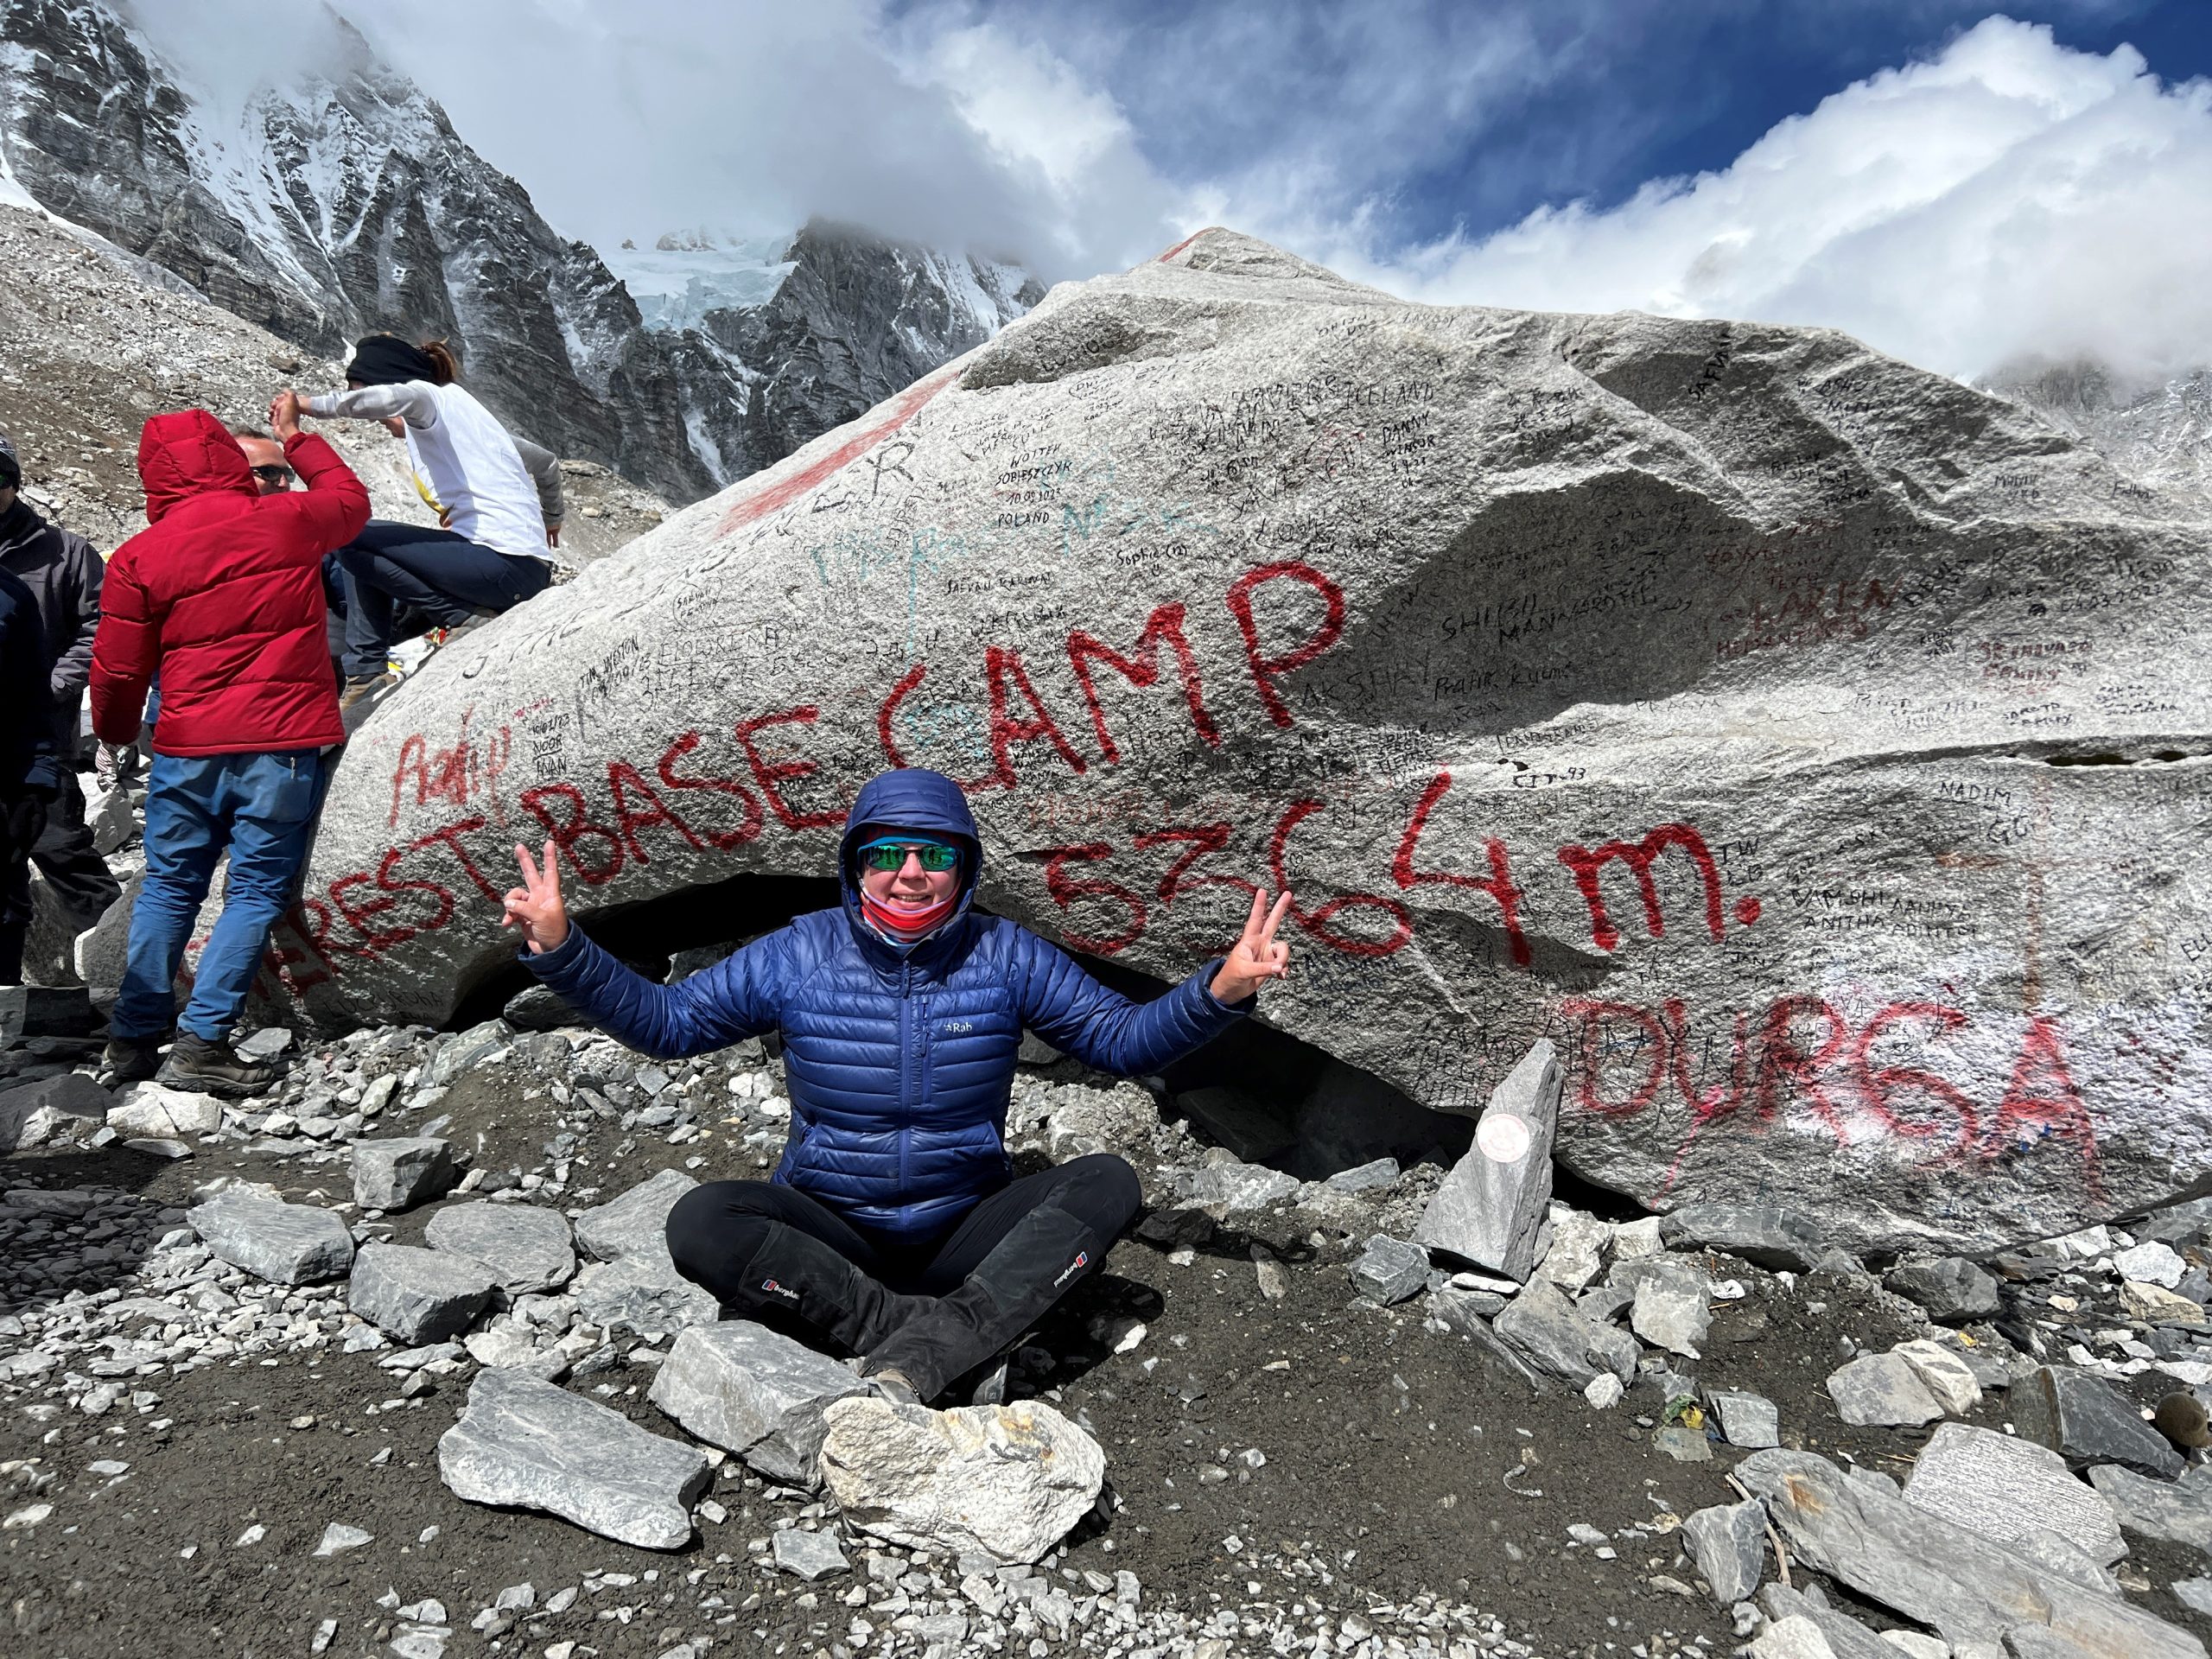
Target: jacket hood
186,454
20,525
909,799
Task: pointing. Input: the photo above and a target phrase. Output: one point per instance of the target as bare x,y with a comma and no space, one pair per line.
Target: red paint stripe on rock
763,502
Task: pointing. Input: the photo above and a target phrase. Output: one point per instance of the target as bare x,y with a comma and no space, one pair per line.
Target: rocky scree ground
197,1460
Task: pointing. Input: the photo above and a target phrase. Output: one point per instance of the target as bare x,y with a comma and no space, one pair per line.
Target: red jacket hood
187,454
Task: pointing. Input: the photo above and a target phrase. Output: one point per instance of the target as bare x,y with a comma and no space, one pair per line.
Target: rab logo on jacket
775,1289
1082,1260
958,1027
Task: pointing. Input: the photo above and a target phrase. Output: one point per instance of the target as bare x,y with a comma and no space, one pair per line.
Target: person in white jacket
492,553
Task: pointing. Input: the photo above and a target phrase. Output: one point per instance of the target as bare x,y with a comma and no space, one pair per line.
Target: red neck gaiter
906,927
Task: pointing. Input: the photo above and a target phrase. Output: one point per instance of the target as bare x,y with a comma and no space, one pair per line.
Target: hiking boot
991,1389
362,695
893,1387
209,1067
127,1060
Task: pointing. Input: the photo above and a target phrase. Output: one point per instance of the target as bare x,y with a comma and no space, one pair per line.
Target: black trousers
390,567
933,1309
80,877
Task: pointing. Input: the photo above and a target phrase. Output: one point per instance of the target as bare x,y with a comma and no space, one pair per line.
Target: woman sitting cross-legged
893,1228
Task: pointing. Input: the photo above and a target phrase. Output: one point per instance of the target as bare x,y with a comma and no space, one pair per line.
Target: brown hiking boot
359,697
127,1060
208,1068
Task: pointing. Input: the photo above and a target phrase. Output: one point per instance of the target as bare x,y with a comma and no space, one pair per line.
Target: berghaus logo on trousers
775,1289
1082,1260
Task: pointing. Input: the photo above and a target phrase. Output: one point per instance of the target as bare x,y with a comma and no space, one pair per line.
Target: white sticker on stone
1504,1138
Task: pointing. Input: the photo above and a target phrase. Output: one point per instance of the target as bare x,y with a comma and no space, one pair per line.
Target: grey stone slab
1489,1208
1728,1543
755,1392
2196,1594
2179,1511
2037,1642
152,1108
1670,1310
1846,1638
1389,1270
402,1171
1605,1303
285,1243
1881,1390
1963,1585
1575,1252
265,1044
1944,1372
72,1092
1547,1331
2088,1420
1371,1177
1226,1189
526,1245
642,1292
1749,1420
2000,1486
2187,1223
1950,1290
1008,1481
2064,1556
809,1553
634,1224
456,1053
1761,1234
418,1295
529,1443
2153,1262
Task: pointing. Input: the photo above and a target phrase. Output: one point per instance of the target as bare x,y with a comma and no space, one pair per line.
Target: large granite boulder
1801,741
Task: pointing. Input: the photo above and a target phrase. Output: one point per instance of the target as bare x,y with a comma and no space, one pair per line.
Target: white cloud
2009,198
632,118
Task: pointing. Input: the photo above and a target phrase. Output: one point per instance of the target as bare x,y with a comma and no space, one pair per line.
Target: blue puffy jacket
900,1063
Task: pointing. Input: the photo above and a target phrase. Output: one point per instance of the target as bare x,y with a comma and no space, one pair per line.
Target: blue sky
1965,186
1471,116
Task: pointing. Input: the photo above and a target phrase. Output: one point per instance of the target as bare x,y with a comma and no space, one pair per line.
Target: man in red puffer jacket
222,596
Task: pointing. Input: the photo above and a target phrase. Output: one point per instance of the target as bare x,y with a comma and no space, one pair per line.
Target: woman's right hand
536,907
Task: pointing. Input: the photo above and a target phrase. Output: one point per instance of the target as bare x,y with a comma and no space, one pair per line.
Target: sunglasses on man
280,476
890,854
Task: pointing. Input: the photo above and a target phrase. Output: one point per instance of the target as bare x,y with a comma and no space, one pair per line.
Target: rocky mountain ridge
346,201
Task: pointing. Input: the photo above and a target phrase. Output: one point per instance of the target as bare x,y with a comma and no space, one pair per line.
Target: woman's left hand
1257,956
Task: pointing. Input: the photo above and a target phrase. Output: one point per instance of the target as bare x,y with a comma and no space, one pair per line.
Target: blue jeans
389,568
262,807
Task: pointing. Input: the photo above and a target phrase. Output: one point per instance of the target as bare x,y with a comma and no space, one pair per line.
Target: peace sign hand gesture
1257,956
536,907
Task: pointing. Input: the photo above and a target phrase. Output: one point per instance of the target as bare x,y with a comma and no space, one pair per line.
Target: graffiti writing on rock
1802,1058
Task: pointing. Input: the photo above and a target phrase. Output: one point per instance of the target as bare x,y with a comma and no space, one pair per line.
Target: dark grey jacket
63,572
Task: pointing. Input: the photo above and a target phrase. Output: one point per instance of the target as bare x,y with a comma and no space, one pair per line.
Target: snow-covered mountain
344,202
821,325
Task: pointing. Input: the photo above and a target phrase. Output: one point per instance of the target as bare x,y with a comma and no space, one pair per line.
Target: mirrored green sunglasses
890,854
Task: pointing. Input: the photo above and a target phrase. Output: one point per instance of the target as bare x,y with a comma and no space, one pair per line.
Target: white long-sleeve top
461,452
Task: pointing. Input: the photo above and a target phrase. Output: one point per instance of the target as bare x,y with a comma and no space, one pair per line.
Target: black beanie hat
386,359
11,470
